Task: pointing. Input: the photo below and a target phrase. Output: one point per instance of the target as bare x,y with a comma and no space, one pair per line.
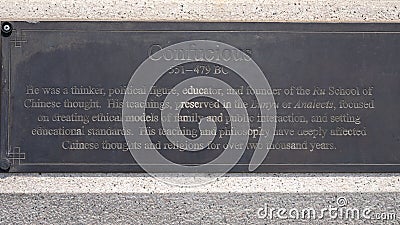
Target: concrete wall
233,199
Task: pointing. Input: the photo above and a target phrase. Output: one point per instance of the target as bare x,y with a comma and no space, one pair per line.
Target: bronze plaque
199,97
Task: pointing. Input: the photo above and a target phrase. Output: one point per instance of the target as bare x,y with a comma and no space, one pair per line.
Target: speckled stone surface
204,10
233,199
189,208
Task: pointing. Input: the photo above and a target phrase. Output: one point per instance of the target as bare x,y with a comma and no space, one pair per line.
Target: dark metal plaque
335,91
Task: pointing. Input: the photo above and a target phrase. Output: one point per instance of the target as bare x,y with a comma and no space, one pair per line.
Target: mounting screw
5,164
6,29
